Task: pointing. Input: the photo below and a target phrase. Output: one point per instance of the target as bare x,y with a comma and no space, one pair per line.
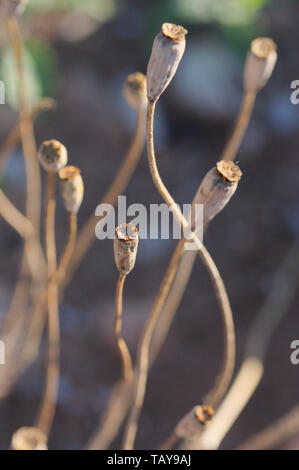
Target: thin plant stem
14,217
188,258
276,434
252,368
48,406
86,236
144,345
69,247
127,369
234,143
220,291
33,334
33,191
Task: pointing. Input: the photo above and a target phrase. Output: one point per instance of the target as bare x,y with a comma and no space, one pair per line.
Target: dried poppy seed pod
259,64
216,190
167,52
29,438
13,7
189,425
52,155
134,90
72,188
125,247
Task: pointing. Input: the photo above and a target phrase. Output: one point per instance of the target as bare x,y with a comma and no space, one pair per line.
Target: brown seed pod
125,247
167,52
29,438
259,64
134,90
52,155
192,422
72,188
13,7
216,190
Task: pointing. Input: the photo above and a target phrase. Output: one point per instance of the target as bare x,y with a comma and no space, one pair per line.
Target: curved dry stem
234,143
34,333
251,371
143,359
87,235
144,345
276,434
127,369
48,406
185,269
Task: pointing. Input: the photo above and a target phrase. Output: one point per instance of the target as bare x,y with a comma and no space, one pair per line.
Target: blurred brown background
81,53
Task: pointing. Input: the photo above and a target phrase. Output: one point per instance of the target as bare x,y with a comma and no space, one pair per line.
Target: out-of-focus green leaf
222,11
44,56
102,10
8,72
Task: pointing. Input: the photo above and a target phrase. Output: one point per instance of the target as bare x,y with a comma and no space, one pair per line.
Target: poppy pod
190,424
167,52
260,63
216,190
72,188
13,7
134,90
125,247
29,438
52,155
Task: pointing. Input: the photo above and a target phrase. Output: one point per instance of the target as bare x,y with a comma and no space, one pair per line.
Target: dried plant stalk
48,406
33,192
127,369
143,353
143,350
125,251
258,69
229,154
86,238
252,368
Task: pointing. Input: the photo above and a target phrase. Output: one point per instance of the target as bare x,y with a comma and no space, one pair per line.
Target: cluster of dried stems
42,279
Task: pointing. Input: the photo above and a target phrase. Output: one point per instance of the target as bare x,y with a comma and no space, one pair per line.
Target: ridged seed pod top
216,190
52,155
167,52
